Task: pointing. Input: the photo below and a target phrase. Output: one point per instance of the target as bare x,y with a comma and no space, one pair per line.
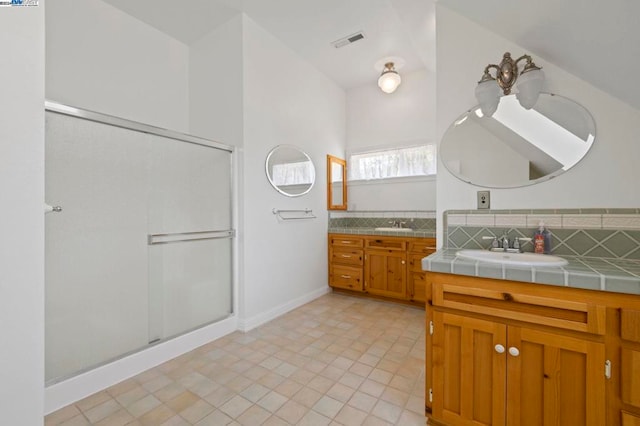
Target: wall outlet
484,199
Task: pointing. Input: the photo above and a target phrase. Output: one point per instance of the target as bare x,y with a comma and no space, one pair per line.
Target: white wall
376,119
215,84
22,189
101,59
286,101
604,178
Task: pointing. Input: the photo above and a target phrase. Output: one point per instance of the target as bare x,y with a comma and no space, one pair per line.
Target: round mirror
515,146
290,170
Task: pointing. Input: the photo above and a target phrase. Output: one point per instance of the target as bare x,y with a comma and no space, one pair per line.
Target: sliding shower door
141,250
189,229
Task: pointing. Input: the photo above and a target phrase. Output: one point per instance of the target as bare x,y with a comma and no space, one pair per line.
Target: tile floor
338,360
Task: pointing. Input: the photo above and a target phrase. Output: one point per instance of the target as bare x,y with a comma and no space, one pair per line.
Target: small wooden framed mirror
336,183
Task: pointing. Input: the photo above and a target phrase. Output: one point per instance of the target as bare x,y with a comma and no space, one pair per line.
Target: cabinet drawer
345,277
347,257
386,244
425,247
346,241
519,304
630,326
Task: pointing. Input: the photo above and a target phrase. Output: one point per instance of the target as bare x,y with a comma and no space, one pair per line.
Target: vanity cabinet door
554,379
386,273
489,373
469,376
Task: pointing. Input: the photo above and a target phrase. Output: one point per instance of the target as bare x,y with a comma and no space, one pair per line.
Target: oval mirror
518,147
290,170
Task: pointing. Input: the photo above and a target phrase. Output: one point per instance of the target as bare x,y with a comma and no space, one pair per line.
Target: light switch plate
484,199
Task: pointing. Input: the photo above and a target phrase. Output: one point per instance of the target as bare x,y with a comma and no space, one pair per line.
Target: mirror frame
331,160
266,168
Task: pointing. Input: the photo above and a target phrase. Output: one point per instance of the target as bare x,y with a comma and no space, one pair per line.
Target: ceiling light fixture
529,85
389,79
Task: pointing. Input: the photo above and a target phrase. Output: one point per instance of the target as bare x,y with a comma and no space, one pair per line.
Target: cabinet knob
513,351
499,349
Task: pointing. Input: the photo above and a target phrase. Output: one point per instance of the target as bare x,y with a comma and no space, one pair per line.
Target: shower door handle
54,209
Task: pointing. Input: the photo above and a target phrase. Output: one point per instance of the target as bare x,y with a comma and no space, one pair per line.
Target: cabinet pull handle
499,348
346,276
513,351
346,255
346,242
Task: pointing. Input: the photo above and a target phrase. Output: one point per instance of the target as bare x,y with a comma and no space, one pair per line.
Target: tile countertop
593,273
372,231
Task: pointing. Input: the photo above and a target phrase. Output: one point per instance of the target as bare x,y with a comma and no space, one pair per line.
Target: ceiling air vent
348,40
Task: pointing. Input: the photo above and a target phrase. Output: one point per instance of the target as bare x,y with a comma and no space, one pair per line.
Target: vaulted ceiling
597,41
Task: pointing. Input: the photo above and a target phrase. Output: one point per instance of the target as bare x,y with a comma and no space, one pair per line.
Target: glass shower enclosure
140,248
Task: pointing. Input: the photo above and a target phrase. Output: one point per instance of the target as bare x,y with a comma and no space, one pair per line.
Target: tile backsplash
607,233
417,220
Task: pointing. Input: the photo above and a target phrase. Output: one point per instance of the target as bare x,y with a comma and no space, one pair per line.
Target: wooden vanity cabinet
416,277
508,353
382,266
385,270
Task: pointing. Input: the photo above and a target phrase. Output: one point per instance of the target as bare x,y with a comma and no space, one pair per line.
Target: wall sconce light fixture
389,79
529,85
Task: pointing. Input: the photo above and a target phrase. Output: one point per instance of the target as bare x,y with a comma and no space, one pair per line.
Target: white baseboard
69,391
247,324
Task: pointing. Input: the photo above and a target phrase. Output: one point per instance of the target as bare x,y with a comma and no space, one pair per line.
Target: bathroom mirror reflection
518,147
336,183
290,170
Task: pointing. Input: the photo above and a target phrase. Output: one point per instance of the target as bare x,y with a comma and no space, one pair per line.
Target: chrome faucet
397,224
505,242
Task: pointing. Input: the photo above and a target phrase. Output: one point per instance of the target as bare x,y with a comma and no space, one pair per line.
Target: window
393,163
293,173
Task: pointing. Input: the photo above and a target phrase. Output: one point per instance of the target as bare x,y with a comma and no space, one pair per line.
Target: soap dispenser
542,240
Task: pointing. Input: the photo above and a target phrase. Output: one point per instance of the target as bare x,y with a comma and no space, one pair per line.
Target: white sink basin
518,259
395,229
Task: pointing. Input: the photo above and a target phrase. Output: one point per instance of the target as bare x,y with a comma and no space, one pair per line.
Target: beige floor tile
313,418
253,416
292,412
78,420
157,416
182,401
129,397
341,392
122,387
409,418
217,418
143,405
255,392
119,418
93,400
362,401
102,411
157,383
272,401
219,396
387,411
328,406
169,392
176,421
307,397
372,387
320,384
197,411
236,406
350,416
61,415
288,388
